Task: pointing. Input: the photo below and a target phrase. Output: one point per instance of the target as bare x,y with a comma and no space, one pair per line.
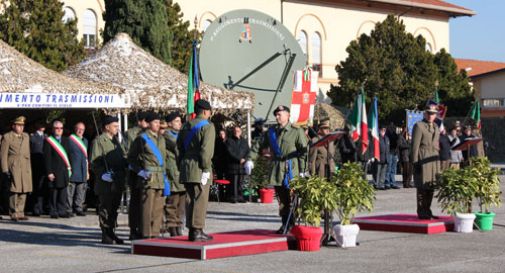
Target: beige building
323,28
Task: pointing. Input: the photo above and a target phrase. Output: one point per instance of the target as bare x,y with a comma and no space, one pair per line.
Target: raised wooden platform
405,223
226,244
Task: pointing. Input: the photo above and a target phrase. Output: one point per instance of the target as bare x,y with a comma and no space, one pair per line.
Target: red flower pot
266,195
307,237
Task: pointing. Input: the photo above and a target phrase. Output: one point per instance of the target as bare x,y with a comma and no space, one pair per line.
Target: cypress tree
35,28
145,21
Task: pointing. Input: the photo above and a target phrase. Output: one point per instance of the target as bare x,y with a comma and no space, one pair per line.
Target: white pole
249,141
125,116
120,134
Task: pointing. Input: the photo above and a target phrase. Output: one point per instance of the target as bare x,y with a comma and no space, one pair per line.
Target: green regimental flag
475,113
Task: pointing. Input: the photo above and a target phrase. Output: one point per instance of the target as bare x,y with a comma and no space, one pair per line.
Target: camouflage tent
324,111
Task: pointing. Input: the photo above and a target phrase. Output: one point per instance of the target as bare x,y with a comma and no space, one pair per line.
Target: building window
316,52
89,29
69,15
302,40
492,102
206,24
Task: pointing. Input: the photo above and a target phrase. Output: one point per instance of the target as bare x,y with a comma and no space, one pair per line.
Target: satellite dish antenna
247,50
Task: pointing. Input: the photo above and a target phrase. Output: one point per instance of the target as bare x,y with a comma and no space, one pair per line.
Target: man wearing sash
176,202
108,162
78,152
134,183
147,158
196,147
15,158
288,151
58,170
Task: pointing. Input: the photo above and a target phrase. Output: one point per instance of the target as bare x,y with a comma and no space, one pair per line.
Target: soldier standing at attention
108,162
425,158
196,147
288,150
321,159
133,181
15,157
58,170
176,202
147,158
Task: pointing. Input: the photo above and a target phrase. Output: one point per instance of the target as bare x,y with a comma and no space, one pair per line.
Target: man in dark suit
380,166
58,170
78,153
37,140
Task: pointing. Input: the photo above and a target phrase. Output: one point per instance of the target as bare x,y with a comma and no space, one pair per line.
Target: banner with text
58,100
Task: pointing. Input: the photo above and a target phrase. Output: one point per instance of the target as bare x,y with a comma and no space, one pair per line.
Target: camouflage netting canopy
324,111
150,83
20,74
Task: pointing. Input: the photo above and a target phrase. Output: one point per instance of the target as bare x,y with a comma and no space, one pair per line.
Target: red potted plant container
308,238
266,195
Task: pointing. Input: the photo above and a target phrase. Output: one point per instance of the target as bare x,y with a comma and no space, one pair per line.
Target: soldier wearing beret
288,151
196,147
147,158
15,158
175,203
108,163
425,158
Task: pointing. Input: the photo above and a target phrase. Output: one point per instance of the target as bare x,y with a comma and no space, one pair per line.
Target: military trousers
151,212
284,198
424,199
197,200
17,204
175,207
108,209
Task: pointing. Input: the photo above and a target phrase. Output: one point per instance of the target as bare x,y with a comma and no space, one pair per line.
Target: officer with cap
288,151
134,206
147,158
108,163
16,167
196,147
425,158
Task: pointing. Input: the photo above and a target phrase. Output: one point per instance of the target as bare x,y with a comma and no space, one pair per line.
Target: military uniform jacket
55,164
321,159
105,149
141,157
293,144
131,135
425,152
198,157
15,158
172,159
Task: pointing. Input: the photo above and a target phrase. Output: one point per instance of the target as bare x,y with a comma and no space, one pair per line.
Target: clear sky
482,36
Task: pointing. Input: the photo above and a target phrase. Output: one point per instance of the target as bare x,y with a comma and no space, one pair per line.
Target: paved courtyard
71,245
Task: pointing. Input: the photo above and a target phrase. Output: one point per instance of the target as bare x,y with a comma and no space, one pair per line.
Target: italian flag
193,82
373,120
359,126
475,113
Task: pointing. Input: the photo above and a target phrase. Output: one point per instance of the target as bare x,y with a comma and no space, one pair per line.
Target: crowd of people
168,166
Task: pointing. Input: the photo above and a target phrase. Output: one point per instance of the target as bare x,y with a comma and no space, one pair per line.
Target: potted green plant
259,180
456,191
353,194
488,191
315,194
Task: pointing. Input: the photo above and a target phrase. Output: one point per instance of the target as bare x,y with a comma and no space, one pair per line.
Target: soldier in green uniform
108,163
147,158
196,148
134,183
176,202
16,166
287,145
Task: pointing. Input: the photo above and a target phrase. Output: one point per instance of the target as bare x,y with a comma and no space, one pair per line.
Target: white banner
58,100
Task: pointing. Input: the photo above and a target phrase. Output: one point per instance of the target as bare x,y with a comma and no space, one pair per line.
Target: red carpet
227,244
405,223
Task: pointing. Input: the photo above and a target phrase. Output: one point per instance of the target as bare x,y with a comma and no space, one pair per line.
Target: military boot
173,231
197,235
106,238
114,237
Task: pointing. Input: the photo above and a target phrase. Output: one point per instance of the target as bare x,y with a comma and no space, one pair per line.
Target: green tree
454,88
35,28
181,37
391,64
145,21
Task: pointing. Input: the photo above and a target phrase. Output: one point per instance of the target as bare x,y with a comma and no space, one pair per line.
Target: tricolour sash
288,175
193,132
80,144
159,157
61,152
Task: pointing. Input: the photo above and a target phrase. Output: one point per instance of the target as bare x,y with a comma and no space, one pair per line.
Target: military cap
203,104
109,119
281,108
152,116
141,116
324,124
431,108
19,120
172,116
